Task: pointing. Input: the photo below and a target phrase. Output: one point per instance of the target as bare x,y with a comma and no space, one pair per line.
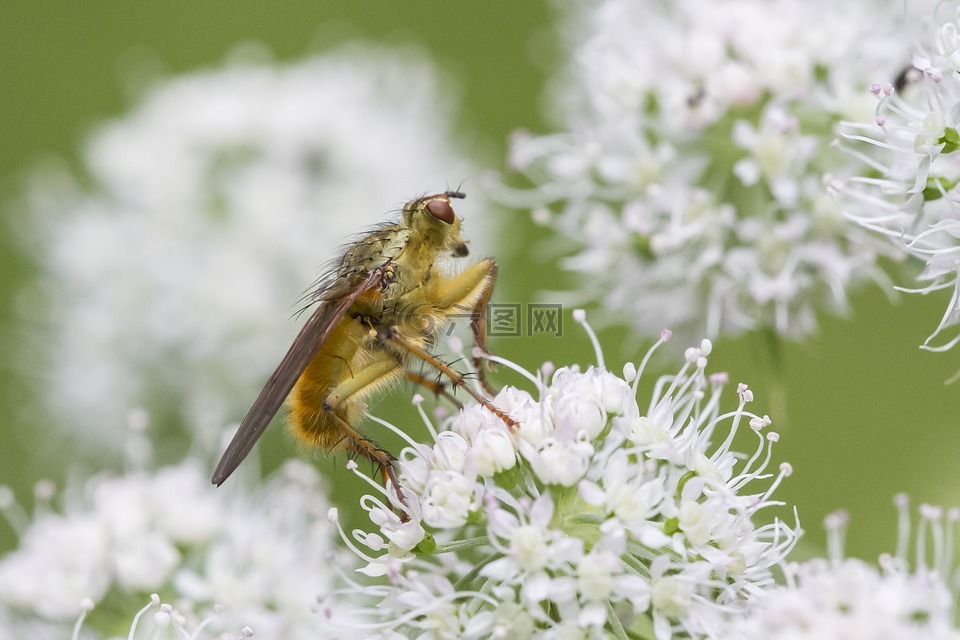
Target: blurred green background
867,412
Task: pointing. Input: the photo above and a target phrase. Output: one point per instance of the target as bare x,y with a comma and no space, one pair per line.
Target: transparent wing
305,346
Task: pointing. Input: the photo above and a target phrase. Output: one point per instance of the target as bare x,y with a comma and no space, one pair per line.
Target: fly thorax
382,246
394,244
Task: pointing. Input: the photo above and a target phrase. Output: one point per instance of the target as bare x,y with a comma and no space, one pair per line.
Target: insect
383,305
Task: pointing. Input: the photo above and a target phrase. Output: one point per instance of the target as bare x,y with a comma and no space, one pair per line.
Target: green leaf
427,546
950,140
936,187
671,526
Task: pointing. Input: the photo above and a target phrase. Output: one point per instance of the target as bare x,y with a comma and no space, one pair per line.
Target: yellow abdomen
350,366
308,419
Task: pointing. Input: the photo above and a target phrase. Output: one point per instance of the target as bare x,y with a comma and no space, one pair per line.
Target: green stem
777,388
460,545
616,626
475,571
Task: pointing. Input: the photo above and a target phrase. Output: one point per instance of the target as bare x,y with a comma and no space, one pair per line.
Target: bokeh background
864,414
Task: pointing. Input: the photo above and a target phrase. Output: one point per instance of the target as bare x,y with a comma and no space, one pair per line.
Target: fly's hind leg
346,399
371,451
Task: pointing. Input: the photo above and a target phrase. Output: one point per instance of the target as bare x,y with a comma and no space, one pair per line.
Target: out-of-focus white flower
591,529
688,167
908,192
844,598
262,557
173,278
165,623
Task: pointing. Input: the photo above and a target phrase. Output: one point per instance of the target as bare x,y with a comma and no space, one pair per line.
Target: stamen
580,317
86,606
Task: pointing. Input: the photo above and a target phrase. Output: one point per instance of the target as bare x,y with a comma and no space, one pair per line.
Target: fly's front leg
478,324
470,292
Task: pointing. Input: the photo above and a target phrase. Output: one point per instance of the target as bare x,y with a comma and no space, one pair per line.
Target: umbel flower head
839,598
908,192
598,517
687,169
223,560
210,208
166,622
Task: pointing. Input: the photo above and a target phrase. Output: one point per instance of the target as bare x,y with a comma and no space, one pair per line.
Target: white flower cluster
688,170
852,599
212,205
596,518
167,622
908,191
847,598
263,557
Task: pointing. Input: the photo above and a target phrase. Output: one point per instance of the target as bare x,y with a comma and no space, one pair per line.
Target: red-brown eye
441,210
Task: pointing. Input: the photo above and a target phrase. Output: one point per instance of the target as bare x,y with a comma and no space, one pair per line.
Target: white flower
688,167
671,596
908,192
448,498
528,547
60,561
263,557
167,622
560,461
212,205
848,598
493,451
591,532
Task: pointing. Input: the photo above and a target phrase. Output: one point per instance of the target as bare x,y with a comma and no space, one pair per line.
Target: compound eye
441,210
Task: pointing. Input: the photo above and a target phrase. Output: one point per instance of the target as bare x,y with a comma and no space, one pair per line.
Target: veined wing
305,346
